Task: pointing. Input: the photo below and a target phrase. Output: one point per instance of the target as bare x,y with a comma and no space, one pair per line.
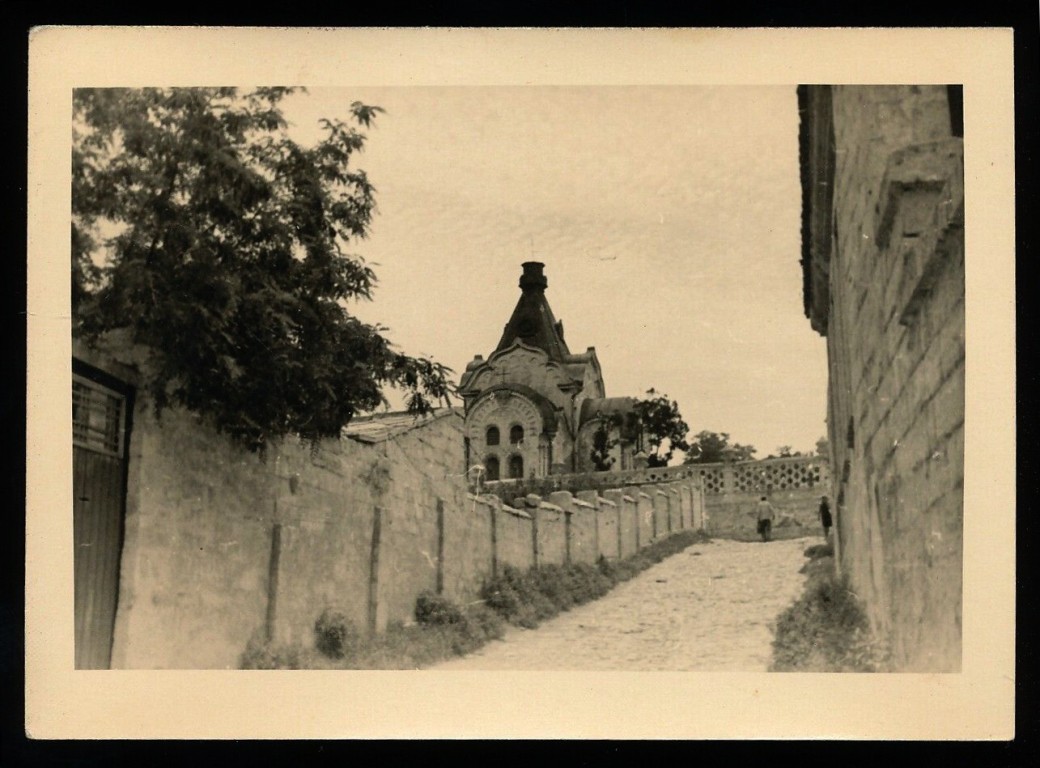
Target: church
533,408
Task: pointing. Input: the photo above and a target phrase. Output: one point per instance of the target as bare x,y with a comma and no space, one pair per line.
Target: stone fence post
565,501
617,497
592,499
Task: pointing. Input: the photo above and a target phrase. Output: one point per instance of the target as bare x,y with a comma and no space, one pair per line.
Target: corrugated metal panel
98,477
97,509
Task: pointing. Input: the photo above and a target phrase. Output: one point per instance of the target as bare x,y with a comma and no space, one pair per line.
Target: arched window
491,468
492,435
516,434
516,467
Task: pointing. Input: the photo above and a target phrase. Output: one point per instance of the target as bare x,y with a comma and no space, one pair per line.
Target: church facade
533,408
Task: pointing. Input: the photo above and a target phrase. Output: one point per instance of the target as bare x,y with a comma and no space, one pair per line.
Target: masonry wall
792,485
221,546
895,339
719,498
197,538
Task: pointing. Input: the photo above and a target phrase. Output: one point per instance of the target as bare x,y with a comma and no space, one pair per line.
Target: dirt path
709,608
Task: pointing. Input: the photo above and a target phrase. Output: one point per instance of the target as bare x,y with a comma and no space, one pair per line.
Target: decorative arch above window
492,436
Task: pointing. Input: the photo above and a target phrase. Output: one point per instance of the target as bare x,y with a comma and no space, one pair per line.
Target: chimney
532,279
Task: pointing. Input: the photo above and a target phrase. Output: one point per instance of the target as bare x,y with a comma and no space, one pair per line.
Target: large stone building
533,407
883,258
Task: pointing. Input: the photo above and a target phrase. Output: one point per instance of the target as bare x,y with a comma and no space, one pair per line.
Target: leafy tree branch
202,230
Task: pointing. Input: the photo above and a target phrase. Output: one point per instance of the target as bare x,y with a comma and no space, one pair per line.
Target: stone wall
725,507
886,286
221,546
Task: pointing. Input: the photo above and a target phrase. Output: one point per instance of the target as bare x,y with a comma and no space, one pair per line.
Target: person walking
825,518
765,515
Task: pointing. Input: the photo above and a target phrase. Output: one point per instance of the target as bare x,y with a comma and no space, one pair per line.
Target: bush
553,582
463,630
819,550
826,630
435,610
586,582
335,634
513,595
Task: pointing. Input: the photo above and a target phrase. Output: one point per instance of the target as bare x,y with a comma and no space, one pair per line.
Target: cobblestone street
709,608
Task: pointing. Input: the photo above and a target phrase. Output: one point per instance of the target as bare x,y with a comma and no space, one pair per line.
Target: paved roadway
709,608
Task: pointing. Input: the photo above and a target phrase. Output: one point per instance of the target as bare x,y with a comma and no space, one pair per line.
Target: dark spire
533,279
532,320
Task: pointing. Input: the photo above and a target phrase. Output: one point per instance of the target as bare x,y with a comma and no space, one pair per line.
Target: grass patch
826,629
817,551
444,629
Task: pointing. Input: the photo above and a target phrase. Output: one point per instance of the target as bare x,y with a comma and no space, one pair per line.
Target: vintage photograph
301,439
517,373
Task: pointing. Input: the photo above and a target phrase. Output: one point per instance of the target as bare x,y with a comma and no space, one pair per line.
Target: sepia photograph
432,378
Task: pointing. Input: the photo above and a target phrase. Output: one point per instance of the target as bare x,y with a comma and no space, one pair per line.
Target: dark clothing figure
765,515
825,518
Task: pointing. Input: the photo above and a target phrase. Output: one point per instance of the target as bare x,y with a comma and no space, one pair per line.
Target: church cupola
532,320
533,279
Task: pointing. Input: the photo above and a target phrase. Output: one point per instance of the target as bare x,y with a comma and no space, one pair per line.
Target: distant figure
765,514
825,518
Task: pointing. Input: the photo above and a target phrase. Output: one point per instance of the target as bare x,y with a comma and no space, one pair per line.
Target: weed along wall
221,547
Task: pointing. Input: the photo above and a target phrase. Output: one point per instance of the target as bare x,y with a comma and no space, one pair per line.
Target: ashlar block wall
895,340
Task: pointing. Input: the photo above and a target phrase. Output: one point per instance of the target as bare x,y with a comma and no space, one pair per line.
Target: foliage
826,629
435,610
213,240
515,596
823,448
604,440
451,631
526,598
663,428
335,635
786,452
816,551
713,447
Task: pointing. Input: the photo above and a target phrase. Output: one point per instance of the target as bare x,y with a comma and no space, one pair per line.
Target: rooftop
378,427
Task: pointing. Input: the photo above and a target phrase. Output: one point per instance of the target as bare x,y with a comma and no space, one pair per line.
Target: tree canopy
218,243
663,428
713,447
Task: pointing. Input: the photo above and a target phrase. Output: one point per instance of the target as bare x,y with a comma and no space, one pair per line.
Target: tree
604,440
823,448
663,428
713,447
217,243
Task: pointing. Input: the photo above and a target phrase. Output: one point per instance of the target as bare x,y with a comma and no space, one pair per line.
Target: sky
668,220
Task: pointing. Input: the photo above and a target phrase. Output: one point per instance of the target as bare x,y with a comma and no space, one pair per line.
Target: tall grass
826,629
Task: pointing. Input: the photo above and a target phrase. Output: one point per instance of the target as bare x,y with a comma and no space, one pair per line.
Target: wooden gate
100,432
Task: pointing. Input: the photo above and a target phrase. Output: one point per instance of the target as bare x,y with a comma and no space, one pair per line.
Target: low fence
731,490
